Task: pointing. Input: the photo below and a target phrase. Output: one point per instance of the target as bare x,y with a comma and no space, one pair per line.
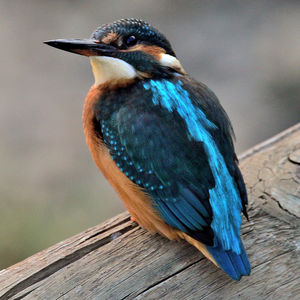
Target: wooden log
119,260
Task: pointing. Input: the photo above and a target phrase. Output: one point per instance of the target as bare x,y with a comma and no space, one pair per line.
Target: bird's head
125,49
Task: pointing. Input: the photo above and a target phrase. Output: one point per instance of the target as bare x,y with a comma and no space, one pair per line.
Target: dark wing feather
154,150
224,139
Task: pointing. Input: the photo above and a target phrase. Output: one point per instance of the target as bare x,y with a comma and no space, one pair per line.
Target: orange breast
135,200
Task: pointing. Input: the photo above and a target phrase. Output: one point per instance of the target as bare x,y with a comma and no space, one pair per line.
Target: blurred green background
248,52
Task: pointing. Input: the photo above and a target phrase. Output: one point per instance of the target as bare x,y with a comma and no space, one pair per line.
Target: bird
163,141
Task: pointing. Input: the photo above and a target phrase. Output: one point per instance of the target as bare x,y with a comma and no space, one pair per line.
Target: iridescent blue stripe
224,198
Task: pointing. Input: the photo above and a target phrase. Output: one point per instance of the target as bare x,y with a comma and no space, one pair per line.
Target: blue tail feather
235,265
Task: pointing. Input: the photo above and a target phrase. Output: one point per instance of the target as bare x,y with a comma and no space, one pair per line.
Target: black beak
83,47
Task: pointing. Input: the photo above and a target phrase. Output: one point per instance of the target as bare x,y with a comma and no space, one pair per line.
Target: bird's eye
131,40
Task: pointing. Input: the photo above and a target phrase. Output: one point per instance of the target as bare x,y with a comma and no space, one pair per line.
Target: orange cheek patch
111,37
155,51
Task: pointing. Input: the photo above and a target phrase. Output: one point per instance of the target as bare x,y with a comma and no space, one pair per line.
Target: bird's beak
83,47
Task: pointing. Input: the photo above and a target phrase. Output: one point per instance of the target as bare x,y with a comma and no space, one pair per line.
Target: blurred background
247,52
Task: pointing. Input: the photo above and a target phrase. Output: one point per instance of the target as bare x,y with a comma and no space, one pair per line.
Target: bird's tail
235,265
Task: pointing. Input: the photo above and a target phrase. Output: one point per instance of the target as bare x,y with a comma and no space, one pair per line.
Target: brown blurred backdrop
248,52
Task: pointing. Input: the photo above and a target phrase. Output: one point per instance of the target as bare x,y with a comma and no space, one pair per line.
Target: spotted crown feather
141,29
123,23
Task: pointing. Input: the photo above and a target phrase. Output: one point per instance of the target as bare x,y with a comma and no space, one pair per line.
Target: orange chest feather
135,200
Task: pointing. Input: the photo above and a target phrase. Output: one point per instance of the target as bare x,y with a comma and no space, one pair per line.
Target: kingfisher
163,141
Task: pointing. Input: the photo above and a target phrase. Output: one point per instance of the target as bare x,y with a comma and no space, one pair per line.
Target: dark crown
144,32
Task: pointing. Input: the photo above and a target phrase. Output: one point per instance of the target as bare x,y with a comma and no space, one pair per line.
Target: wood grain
119,260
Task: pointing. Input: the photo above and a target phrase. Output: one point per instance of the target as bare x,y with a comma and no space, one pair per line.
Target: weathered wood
119,260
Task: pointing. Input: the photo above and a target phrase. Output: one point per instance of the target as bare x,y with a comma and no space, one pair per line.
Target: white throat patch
168,60
108,68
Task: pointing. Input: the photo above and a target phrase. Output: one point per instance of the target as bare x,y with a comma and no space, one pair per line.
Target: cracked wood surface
119,260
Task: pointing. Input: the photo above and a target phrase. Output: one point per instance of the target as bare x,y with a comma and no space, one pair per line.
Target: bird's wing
171,152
